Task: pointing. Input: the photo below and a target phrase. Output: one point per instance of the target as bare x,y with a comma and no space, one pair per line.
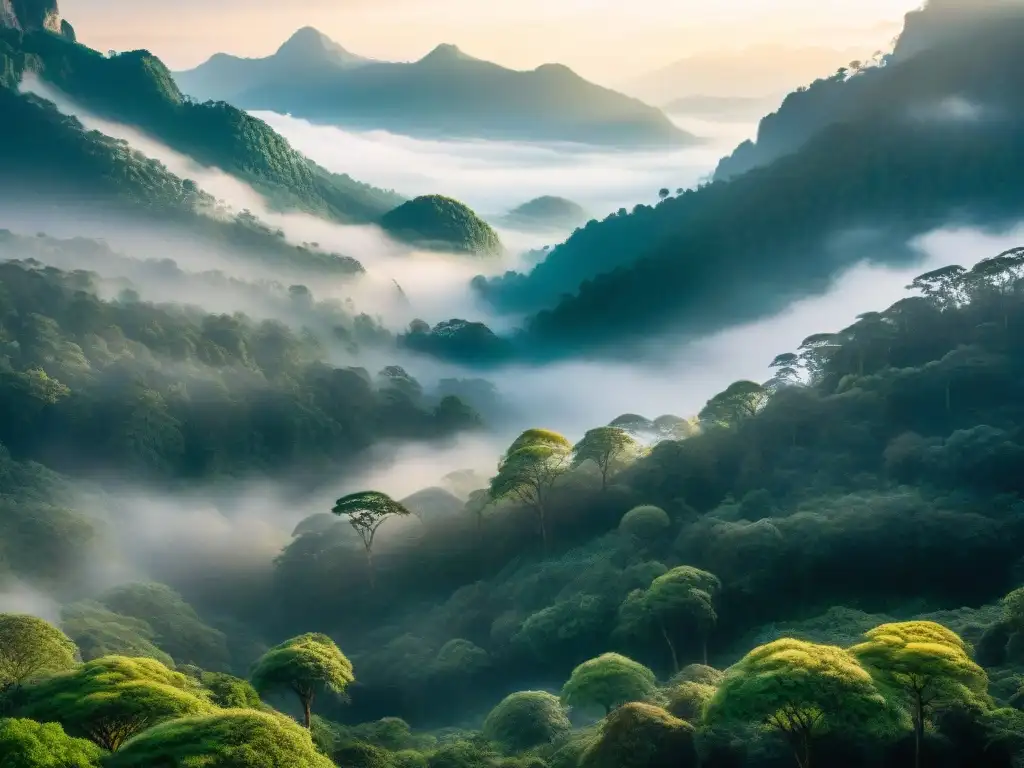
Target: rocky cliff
33,15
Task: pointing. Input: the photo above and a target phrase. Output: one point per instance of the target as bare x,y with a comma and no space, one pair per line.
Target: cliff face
939,20
31,15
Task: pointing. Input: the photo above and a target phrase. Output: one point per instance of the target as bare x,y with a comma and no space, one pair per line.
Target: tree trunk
369,568
802,751
704,646
543,524
604,477
918,729
672,650
307,706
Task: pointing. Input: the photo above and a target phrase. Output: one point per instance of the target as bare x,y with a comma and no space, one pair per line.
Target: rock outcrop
33,15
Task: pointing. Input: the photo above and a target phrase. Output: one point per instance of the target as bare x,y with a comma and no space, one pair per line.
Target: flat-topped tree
366,512
927,665
801,691
529,470
305,665
30,646
608,681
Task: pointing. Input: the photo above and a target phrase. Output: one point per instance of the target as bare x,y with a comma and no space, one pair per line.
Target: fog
493,177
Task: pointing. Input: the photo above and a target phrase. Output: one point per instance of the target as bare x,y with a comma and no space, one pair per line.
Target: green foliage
28,744
642,736
605,447
688,700
30,646
608,681
109,700
230,692
646,522
305,665
443,224
926,666
228,739
98,631
699,673
527,719
359,755
179,630
801,690
739,402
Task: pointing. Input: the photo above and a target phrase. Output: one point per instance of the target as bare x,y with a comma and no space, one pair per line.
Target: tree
663,193
28,744
633,423
109,700
29,646
672,605
645,522
800,690
670,427
738,403
224,740
98,631
304,665
926,665
526,720
366,512
603,446
640,735
608,681
529,470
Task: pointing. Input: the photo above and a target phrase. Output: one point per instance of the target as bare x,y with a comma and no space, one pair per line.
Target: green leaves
441,223
28,744
608,681
30,646
604,446
527,719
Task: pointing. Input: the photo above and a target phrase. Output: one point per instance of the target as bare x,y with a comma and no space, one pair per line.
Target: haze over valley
424,394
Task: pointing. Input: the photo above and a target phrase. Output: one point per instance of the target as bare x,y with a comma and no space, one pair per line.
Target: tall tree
800,690
603,446
366,512
926,665
738,403
305,665
29,646
529,470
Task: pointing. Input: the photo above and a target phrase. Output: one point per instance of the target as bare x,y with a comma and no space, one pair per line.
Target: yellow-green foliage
305,665
608,681
226,739
800,690
28,744
109,700
441,223
687,700
923,664
640,735
30,646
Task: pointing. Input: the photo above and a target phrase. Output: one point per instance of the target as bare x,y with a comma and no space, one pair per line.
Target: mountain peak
446,52
310,43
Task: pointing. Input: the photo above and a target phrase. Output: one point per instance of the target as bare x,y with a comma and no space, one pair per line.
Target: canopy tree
366,512
530,468
604,446
109,700
608,681
926,665
672,607
639,735
738,403
646,523
28,744
800,690
30,646
226,739
526,720
304,665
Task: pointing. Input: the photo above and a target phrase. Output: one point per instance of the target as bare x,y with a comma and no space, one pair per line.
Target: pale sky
607,40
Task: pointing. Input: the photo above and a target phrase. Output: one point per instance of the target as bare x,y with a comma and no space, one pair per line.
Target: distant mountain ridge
446,93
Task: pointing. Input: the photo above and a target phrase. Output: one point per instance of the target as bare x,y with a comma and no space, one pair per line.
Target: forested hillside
811,545
880,174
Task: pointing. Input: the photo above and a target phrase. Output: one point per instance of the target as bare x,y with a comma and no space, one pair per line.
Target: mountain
305,54
446,93
440,223
759,72
739,248
546,213
848,93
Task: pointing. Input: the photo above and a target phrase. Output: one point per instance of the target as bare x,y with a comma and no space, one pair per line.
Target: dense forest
817,569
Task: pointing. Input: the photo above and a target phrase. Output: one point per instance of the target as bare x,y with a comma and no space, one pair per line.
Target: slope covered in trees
765,237
819,569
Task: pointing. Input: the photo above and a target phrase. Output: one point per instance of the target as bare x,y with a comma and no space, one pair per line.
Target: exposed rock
33,15
68,31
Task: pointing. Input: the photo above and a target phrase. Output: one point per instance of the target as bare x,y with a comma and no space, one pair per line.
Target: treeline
169,392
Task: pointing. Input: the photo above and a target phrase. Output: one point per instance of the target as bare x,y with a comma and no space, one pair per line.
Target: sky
606,40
